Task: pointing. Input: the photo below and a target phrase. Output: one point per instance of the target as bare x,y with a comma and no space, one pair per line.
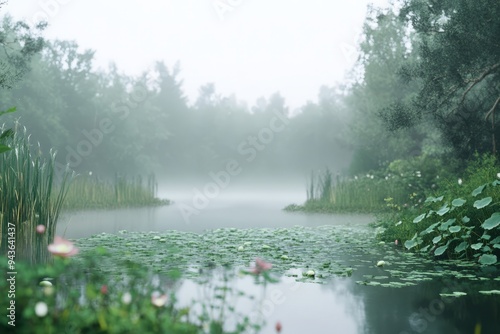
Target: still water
339,306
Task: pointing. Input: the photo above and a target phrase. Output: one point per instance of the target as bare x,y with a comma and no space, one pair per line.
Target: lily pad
454,229
440,250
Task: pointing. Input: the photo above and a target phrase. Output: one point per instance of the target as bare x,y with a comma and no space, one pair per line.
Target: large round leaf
437,239
458,202
488,259
419,218
479,204
440,250
409,244
478,190
460,248
443,210
454,229
476,246
492,222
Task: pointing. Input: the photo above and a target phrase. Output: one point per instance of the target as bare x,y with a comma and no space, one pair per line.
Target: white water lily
498,175
380,263
241,249
310,273
41,309
460,182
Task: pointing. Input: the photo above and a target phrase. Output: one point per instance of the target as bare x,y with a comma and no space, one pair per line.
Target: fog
187,90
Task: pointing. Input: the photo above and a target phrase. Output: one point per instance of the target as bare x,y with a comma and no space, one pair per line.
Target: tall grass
90,192
28,199
361,194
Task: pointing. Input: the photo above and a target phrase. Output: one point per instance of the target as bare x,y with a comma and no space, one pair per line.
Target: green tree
458,67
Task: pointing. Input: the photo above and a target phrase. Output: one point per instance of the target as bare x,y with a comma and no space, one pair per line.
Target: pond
349,293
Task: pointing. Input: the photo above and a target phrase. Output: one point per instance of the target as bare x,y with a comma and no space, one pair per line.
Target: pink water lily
260,266
62,247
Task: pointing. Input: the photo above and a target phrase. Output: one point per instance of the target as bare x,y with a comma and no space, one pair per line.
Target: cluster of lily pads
465,227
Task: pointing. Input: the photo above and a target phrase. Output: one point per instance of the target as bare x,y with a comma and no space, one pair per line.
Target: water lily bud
241,249
40,229
310,273
459,182
380,263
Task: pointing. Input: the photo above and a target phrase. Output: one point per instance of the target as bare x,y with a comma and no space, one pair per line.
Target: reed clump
91,192
28,198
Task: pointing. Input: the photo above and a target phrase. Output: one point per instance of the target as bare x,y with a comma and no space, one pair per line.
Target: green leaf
7,134
437,239
430,229
409,244
12,109
479,204
476,246
440,250
486,236
444,226
443,210
488,259
497,246
495,183
4,148
460,248
454,229
458,202
419,218
492,222
465,219
434,199
478,190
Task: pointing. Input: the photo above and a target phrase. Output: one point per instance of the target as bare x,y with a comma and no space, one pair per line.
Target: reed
91,192
28,199
361,194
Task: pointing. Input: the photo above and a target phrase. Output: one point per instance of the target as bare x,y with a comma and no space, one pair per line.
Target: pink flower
158,299
278,327
260,266
396,242
40,229
62,247
104,289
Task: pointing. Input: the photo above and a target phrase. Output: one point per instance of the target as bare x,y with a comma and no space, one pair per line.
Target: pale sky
251,48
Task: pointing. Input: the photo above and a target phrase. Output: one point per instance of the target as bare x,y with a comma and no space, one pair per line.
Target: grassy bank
88,192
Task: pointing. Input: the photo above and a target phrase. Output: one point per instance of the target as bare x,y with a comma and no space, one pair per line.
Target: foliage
28,198
19,43
460,220
132,300
458,66
6,133
87,192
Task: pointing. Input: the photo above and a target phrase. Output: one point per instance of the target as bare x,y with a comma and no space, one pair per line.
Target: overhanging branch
477,80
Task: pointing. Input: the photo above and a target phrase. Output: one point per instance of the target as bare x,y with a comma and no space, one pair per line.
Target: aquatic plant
28,198
91,192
